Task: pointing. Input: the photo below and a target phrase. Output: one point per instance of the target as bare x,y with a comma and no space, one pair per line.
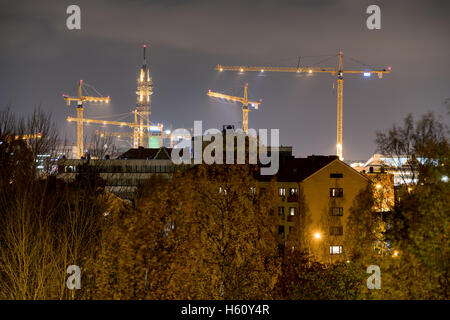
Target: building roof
298,169
142,153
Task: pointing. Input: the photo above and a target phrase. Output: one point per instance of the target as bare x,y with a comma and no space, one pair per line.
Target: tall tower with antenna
143,104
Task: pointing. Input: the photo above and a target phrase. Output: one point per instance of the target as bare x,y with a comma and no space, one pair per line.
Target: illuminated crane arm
124,134
333,71
28,136
273,69
86,98
118,123
232,98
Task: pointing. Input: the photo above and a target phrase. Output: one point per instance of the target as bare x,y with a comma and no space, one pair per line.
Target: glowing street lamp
317,235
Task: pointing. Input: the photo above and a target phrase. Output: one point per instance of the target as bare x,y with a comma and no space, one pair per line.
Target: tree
101,144
45,224
419,223
207,233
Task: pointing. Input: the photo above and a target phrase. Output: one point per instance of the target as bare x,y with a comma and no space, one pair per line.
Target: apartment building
329,187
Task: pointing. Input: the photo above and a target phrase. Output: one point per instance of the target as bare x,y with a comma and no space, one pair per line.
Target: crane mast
340,106
339,72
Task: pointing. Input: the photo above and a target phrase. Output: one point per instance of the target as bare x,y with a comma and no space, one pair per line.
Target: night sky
40,59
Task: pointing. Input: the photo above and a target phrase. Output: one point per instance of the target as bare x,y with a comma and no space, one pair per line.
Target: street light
317,235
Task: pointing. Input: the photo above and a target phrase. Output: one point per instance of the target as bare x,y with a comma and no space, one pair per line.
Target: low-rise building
124,174
399,166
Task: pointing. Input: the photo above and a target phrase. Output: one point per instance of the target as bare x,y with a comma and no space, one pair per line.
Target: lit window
292,211
282,192
222,190
335,249
336,192
292,191
337,211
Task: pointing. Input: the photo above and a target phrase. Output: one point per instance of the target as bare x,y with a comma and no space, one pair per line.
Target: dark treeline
209,233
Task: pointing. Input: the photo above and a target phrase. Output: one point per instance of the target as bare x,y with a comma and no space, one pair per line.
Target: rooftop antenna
143,47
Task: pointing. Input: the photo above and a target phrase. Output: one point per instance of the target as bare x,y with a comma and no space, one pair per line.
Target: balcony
293,198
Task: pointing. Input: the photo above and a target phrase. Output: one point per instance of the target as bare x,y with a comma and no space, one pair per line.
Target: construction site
151,142
144,133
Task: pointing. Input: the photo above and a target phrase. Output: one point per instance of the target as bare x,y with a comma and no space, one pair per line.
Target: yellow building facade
327,187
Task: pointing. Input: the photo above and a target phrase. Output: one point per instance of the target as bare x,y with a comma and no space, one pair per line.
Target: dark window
281,212
337,211
336,231
336,192
336,175
281,231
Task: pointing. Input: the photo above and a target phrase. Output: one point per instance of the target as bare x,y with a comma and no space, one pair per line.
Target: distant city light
155,128
366,74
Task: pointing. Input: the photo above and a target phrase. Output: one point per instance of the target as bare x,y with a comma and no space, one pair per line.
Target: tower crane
80,99
243,100
334,71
